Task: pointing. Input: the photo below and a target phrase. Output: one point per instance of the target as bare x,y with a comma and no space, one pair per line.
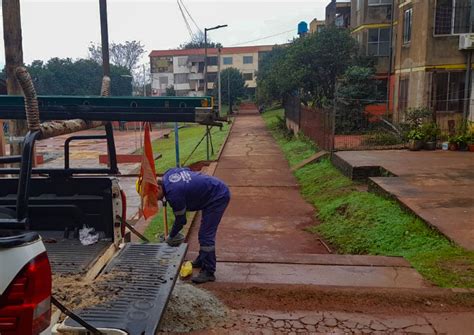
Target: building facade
184,69
338,13
429,67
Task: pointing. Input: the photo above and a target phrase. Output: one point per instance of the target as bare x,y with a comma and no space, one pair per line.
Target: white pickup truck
25,284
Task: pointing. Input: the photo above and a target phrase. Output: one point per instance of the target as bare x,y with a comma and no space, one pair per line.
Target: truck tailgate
144,276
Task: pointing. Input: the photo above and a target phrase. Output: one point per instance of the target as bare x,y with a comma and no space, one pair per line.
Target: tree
357,89
197,42
170,91
125,54
232,85
309,66
81,77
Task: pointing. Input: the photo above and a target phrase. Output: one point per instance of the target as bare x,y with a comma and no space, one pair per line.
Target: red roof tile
210,51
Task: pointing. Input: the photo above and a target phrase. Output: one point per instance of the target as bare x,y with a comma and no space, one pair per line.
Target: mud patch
192,309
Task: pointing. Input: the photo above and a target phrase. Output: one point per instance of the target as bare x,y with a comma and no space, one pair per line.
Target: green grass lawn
358,222
189,137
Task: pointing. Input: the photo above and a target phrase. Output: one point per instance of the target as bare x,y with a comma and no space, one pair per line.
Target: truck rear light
124,211
25,306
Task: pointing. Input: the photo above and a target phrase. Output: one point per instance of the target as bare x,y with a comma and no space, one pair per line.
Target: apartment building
429,67
371,25
338,13
184,69
315,26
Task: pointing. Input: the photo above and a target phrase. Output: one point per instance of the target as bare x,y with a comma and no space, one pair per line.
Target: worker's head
161,193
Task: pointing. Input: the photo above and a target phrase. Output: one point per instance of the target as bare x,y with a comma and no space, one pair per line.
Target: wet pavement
263,235
435,185
333,322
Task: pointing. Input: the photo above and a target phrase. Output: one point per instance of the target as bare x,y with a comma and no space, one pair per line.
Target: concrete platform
436,186
321,275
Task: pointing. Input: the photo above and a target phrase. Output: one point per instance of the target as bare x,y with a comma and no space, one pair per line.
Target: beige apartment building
184,69
430,60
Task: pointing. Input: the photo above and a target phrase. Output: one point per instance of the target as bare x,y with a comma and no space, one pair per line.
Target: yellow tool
186,269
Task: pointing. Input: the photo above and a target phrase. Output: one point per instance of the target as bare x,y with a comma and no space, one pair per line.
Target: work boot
203,277
197,263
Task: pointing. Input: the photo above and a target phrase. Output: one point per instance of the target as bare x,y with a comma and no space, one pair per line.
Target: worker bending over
186,191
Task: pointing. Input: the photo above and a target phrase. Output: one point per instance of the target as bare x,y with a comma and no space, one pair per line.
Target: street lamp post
205,53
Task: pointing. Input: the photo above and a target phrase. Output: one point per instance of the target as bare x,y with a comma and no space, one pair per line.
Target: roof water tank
302,28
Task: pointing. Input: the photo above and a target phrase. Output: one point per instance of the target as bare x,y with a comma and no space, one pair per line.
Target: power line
190,16
262,38
190,31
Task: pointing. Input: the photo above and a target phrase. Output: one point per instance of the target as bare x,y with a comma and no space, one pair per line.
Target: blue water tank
302,28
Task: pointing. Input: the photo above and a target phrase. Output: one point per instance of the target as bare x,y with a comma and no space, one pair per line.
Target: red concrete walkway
262,237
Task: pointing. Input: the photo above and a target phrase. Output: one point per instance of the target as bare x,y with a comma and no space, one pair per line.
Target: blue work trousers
211,217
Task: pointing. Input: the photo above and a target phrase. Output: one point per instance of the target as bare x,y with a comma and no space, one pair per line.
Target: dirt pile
75,293
191,309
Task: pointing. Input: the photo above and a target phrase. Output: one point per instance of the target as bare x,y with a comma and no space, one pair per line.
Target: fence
343,127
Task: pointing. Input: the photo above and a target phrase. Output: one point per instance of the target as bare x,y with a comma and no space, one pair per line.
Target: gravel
191,309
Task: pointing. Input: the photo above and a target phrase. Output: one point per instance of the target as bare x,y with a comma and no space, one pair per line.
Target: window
380,2
211,77
181,78
227,60
248,59
448,91
212,61
452,17
403,95
247,76
407,24
378,42
182,61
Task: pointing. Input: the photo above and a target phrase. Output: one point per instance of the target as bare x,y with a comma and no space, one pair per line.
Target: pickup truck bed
68,256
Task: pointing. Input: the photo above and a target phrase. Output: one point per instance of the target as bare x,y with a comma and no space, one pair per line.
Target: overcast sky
65,28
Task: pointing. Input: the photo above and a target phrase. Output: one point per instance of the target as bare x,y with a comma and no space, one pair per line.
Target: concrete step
316,269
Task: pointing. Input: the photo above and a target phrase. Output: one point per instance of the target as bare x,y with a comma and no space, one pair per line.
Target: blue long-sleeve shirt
186,190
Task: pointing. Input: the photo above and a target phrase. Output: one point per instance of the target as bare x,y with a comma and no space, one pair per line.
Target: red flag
147,184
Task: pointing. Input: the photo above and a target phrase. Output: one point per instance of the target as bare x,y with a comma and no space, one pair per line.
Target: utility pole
13,58
104,31
205,53
205,61
219,91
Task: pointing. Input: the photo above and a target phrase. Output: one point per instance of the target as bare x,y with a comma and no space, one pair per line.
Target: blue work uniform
186,190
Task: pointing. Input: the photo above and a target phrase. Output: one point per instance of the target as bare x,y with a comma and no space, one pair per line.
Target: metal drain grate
69,256
142,277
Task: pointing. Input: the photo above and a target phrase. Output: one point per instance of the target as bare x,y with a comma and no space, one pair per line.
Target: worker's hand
176,240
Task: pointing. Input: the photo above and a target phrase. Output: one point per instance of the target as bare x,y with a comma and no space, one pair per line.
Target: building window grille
452,17
227,60
247,76
449,91
380,2
212,61
248,59
378,42
403,95
407,25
